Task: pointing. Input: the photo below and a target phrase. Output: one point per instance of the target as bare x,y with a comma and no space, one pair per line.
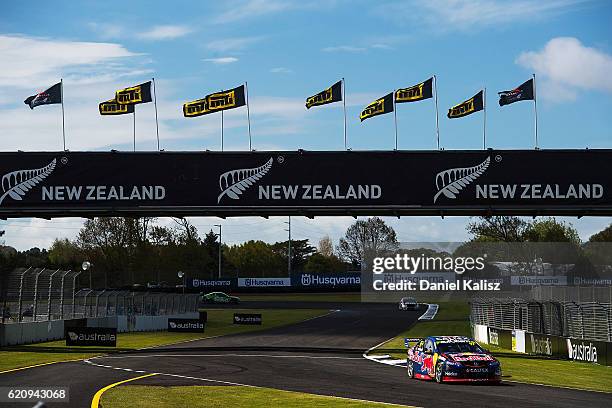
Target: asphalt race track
319,356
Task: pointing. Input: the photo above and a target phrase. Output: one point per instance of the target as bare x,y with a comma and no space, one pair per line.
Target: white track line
248,385
231,355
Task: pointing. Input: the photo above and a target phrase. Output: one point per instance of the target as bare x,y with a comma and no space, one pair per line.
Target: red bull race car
451,359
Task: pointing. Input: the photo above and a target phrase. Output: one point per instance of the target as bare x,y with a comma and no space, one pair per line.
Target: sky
288,50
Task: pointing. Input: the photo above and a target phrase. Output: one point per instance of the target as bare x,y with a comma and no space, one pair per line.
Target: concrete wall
36,332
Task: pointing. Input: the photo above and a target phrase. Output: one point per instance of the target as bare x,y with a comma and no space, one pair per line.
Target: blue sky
288,50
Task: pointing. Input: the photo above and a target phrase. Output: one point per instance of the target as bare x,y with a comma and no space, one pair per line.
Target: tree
319,263
366,238
551,230
300,251
65,254
604,235
326,246
255,258
501,228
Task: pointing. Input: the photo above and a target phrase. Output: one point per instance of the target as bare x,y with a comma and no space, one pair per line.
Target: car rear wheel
439,373
410,366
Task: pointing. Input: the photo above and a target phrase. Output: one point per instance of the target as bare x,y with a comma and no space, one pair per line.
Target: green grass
453,319
302,297
137,396
219,323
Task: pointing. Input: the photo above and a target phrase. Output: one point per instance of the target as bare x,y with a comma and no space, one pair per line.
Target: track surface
320,356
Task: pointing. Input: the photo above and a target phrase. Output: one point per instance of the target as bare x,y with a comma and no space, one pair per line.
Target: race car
451,359
218,298
408,303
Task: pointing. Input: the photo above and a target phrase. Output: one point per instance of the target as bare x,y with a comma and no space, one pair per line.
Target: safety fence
39,294
599,294
585,320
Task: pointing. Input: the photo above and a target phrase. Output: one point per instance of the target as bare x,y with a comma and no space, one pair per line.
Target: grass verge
137,396
302,297
453,319
219,323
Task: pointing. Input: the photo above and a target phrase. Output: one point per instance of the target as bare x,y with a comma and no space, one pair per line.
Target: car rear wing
411,341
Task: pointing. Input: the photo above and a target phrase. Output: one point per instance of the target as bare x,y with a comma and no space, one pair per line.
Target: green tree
551,230
498,229
366,238
319,263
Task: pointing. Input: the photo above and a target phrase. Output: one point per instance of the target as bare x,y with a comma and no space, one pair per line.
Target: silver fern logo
450,182
17,183
234,182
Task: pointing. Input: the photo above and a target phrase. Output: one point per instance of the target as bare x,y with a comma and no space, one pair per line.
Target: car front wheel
439,373
410,369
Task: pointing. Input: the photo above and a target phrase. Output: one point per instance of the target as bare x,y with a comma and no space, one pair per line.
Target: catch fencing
584,320
599,294
40,294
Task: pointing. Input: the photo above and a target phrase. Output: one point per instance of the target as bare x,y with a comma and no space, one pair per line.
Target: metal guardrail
586,320
39,294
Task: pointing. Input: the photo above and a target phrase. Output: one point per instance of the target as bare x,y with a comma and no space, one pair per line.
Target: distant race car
219,297
408,303
451,359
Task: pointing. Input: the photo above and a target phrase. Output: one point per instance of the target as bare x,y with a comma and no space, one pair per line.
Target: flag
111,107
330,95
378,107
218,101
523,93
415,93
474,104
48,97
134,94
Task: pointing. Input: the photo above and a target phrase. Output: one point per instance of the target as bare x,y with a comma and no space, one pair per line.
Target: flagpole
134,128
484,127
246,88
395,118
535,111
63,124
156,122
344,107
436,103
221,130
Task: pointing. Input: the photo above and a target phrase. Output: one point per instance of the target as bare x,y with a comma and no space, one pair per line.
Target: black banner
415,93
378,107
215,102
330,95
91,336
543,182
111,107
134,94
247,318
186,325
474,104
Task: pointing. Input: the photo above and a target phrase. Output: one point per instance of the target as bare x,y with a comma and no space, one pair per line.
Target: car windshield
470,347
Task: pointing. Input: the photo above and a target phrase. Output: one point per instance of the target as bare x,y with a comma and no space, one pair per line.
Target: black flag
330,95
111,107
474,104
523,93
218,101
378,107
134,94
48,97
415,93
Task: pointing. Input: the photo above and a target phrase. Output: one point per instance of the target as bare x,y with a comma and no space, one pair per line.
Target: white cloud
567,66
37,62
221,60
252,8
106,31
232,44
165,32
344,48
464,14
281,70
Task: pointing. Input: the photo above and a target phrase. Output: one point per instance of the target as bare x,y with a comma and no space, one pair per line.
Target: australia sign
477,182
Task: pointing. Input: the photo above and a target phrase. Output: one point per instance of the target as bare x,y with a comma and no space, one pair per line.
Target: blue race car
451,359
